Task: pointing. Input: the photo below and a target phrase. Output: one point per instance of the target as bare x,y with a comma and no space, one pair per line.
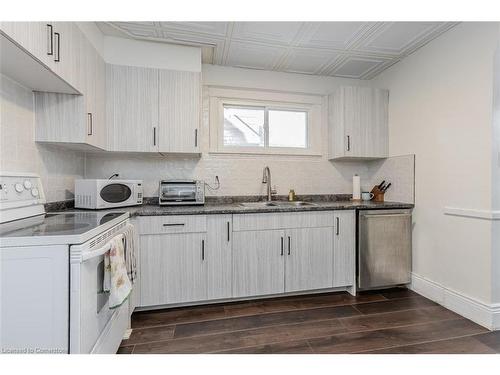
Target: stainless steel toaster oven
181,192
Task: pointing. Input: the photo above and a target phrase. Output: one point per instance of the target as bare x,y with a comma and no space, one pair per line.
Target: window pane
244,126
287,128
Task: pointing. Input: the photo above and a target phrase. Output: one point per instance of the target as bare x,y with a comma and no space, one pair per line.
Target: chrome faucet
266,179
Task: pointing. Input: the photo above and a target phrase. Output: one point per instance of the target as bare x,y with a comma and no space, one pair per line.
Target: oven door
94,327
178,192
116,194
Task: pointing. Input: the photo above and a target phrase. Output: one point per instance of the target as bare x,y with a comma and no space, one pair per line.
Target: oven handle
96,253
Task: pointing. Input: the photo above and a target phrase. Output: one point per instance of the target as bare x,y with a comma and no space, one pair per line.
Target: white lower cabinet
184,259
218,256
277,261
309,259
195,258
344,243
172,269
258,263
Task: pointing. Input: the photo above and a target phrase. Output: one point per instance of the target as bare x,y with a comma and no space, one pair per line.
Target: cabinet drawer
264,221
172,224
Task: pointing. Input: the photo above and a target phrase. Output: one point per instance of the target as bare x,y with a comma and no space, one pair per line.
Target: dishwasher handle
386,215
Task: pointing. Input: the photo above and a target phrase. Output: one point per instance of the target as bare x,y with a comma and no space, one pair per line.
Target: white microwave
98,194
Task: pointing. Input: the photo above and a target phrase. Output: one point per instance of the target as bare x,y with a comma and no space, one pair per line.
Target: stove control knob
34,192
19,188
27,184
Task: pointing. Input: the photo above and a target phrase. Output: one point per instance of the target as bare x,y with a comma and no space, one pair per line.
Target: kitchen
261,187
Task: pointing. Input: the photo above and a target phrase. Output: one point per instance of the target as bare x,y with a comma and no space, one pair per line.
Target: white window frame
270,100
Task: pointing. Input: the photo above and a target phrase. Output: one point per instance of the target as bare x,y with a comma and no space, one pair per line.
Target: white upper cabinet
53,44
179,111
34,37
75,121
358,123
152,110
132,108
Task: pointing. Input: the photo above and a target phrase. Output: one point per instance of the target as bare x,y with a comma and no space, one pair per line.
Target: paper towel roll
356,187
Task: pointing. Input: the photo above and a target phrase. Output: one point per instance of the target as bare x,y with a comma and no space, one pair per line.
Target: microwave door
115,193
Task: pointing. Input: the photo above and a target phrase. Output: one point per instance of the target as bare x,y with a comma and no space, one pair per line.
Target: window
246,126
262,122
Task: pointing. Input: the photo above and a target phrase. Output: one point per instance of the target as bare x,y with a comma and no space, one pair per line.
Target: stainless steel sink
295,204
277,204
258,204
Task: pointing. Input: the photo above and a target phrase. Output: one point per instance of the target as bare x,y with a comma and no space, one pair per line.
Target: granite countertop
236,208
232,205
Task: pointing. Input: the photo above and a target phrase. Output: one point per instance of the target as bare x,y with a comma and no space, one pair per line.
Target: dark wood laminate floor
390,321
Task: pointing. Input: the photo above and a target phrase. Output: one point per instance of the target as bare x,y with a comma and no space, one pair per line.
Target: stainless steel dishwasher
384,248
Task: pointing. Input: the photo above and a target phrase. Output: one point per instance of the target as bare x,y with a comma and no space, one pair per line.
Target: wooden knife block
378,195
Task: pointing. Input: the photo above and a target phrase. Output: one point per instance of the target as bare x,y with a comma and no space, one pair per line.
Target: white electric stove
52,267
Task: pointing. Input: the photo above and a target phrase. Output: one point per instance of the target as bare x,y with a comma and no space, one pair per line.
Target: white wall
19,153
441,110
495,173
151,55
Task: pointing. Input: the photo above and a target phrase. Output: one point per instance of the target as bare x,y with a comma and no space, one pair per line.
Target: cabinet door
354,101
179,111
309,259
218,256
65,51
34,37
358,123
59,118
344,254
258,263
132,108
95,97
100,130
172,268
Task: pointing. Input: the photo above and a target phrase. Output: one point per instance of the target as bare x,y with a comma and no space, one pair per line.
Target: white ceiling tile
334,35
267,32
398,37
140,31
357,67
251,55
347,49
308,61
210,28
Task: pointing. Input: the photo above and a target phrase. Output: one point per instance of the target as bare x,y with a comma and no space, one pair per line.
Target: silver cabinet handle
154,135
57,55
195,137
228,238
202,249
173,224
348,143
282,245
337,225
50,39
90,124
289,244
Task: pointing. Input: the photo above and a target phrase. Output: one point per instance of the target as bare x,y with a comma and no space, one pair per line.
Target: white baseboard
483,314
